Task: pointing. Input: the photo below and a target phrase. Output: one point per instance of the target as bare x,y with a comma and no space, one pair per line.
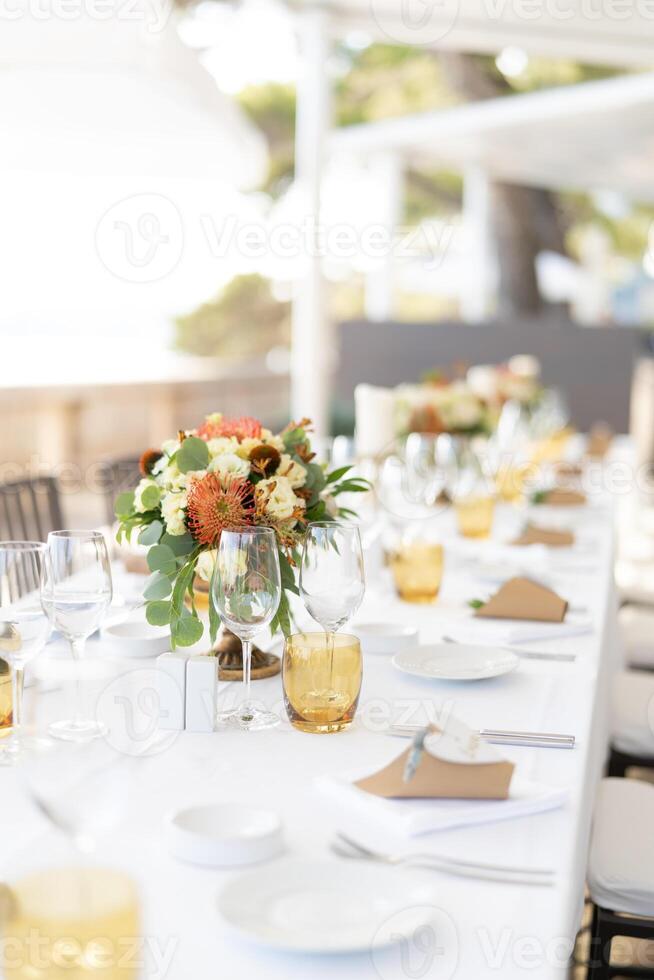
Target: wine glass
246,589
332,581
76,593
24,627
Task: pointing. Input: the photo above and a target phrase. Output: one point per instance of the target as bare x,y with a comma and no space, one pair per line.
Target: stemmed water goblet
24,627
246,590
332,581
76,593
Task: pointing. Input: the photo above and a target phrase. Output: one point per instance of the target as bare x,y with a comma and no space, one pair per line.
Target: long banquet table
494,930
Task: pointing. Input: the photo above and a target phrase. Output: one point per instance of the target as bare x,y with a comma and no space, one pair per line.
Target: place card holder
201,693
454,764
172,697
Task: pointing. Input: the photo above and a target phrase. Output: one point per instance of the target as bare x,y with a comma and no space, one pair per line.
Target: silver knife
543,740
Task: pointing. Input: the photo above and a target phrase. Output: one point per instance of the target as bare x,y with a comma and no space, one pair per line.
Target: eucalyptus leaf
151,497
161,559
187,630
193,454
179,544
157,613
151,533
158,586
124,503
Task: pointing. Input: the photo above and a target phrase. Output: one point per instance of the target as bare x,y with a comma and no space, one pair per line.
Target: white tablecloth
497,930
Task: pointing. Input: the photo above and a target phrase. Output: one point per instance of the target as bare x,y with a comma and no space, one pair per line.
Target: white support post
386,173
311,347
478,285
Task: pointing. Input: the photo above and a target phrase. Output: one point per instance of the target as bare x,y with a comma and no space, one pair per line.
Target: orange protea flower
215,506
243,428
148,459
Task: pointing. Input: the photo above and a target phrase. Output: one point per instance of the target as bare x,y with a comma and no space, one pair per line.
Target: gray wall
592,366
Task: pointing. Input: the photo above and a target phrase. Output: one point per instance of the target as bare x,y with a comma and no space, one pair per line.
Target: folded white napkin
409,818
499,632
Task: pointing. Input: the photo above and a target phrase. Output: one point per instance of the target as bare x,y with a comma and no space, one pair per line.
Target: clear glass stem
77,648
246,652
331,637
17,682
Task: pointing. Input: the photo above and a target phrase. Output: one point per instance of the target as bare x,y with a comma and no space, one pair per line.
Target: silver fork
346,847
527,654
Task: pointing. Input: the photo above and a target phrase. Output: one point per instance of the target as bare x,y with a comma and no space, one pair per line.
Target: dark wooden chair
115,476
29,509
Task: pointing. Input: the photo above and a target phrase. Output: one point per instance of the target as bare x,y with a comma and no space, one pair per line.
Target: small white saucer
224,835
136,638
456,662
385,638
328,907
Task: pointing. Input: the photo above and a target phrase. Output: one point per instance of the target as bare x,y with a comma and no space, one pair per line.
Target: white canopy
606,32
590,136
117,96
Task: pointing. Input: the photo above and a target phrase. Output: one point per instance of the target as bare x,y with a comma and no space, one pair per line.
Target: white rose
222,444
279,497
172,509
229,464
205,566
138,495
294,472
483,382
526,365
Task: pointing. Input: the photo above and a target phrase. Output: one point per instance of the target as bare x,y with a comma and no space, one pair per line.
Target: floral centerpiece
225,474
469,405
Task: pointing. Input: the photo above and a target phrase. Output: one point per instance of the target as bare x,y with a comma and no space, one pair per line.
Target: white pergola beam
603,127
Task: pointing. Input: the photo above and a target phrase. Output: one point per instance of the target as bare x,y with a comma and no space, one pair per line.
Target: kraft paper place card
520,598
561,497
532,534
453,763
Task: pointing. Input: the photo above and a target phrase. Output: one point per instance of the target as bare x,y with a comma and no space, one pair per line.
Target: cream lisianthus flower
222,444
172,510
229,464
206,563
280,501
294,472
272,440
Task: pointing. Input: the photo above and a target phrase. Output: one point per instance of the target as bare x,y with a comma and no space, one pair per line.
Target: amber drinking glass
71,924
474,516
417,571
322,680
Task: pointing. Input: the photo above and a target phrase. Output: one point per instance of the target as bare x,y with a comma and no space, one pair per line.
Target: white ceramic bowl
385,638
224,835
136,638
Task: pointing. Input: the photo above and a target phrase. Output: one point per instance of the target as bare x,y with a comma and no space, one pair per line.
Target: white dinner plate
456,662
327,907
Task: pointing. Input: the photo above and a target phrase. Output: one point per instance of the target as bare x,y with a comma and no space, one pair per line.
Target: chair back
29,509
115,476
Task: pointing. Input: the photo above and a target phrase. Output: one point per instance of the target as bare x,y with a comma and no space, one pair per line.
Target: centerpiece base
230,660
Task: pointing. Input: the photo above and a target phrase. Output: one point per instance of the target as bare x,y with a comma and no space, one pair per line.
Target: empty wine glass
24,627
76,593
246,589
332,581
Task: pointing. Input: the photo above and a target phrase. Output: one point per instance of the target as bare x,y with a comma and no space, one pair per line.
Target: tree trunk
525,220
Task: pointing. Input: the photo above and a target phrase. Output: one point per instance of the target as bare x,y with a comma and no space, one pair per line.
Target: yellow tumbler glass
321,674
